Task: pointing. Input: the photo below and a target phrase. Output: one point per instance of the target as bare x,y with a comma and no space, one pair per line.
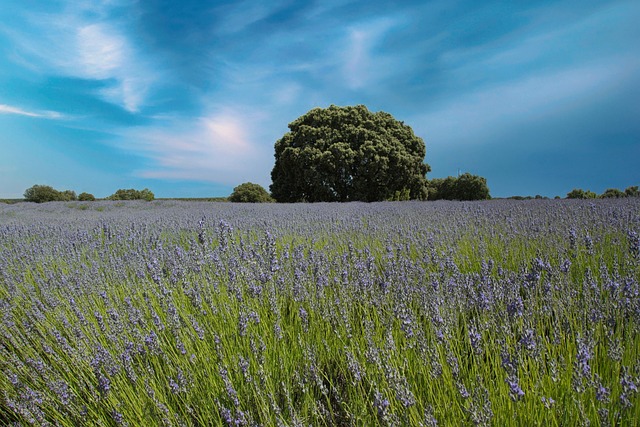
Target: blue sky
188,98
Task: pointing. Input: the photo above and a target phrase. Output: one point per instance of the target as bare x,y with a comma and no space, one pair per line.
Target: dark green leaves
347,154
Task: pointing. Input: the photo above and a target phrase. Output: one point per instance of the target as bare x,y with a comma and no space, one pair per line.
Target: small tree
250,193
632,191
471,187
464,187
68,195
86,197
578,193
612,193
41,194
131,194
146,194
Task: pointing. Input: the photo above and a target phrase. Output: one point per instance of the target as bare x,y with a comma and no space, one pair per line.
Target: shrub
131,194
86,197
250,193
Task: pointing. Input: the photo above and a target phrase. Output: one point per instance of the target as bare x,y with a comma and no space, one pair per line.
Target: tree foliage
250,193
346,154
578,193
612,193
86,197
46,193
464,187
131,194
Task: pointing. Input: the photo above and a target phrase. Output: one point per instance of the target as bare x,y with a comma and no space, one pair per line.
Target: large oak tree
347,154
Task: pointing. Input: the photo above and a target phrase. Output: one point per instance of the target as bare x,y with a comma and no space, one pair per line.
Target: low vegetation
203,314
610,193
46,193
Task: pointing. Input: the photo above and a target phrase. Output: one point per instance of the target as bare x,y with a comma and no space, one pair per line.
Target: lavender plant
442,313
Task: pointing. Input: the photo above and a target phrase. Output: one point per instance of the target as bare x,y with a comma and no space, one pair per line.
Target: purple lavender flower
516,307
304,316
118,418
602,393
582,358
565,266
151,341
573,239
628,387
528,340
548,402
196,327
634,243
515,391
509,364
588,243
354,367
104,384
381,404
476,340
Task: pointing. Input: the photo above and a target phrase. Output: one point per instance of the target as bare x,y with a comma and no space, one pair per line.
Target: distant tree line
464,187
609,193
46,193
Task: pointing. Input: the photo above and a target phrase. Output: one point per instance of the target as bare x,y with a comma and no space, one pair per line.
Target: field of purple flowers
402,314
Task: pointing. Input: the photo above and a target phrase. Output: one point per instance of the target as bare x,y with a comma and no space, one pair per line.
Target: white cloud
81,42
8,109
361,65
101,51
473,116
215,148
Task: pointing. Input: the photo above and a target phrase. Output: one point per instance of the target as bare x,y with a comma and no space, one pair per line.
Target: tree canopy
579,193
612,193
132,194
86,197
632,191
464,187
609,193
250,193
46,193
347,154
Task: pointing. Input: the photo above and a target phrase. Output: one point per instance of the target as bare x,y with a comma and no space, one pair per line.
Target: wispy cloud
81,42
219,148
8,109
362,66
473,116
105,53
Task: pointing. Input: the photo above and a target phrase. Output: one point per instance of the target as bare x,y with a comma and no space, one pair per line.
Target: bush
612,193
250,193
464,187
68,196
46,193
132,194
632,191
86,197
578,193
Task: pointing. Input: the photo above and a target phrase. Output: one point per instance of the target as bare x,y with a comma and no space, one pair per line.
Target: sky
188,98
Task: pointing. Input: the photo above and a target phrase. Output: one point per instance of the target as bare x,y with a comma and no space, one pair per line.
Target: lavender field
170,313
